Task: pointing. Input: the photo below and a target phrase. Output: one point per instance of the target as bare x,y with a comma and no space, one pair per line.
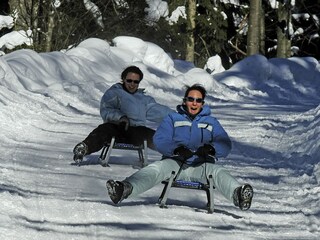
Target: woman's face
194,102
131,83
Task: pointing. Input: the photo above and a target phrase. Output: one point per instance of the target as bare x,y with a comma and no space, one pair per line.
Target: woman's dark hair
197,87
132,69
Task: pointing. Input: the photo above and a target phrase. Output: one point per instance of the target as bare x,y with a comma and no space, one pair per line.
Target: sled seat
108,147
171,182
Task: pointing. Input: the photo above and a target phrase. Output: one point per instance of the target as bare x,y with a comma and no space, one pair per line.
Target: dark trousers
104,133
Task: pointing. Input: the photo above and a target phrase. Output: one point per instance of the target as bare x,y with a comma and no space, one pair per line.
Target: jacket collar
205,111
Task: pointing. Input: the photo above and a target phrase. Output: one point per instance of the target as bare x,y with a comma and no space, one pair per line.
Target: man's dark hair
197,87
132,69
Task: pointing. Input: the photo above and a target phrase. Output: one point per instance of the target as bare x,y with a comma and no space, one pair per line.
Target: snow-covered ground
50,101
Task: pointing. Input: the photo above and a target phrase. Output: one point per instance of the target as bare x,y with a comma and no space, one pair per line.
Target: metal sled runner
168,184
107,149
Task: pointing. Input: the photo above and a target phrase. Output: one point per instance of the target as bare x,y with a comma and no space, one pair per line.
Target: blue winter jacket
138,107
179,129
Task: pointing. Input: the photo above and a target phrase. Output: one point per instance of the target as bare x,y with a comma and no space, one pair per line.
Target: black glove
124,122
205,150
183,152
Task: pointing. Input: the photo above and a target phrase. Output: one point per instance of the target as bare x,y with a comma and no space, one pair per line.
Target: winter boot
79,151
118,190
242,197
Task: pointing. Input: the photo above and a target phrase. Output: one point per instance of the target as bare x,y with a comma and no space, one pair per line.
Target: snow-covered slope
50,101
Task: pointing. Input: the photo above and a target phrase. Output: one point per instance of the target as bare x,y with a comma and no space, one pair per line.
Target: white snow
50,101
180,11
16,38
155,10
6,22
95,11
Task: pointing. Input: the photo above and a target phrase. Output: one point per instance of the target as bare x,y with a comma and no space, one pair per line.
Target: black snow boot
118,190
79,151
242,197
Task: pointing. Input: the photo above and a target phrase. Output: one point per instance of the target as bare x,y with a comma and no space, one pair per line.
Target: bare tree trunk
51,24
19,7
27,12
34,20
283,37
191,26
253,39
262,31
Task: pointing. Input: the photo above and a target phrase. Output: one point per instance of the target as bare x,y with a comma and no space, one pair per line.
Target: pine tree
253,40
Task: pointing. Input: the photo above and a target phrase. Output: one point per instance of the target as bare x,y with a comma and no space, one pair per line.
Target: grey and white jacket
138,107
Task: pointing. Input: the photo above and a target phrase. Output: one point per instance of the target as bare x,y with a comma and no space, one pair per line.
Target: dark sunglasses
192,99
132,81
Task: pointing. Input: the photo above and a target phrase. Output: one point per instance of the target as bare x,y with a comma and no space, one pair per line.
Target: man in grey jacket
125,110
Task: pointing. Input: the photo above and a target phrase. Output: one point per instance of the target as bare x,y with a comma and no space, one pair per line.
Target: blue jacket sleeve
163,137
156,112
221,140
110,106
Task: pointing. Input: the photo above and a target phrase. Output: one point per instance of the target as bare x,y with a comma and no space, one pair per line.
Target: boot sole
112,192
246,197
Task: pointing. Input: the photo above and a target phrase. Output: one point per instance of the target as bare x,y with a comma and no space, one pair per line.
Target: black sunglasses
192,99
132,81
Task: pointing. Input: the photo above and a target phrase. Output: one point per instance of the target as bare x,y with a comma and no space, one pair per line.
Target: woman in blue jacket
125,110
190,141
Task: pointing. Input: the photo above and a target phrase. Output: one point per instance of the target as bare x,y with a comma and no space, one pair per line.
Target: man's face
131,82
194,102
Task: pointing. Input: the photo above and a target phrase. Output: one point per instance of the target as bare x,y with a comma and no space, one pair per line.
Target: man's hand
124,122
205,150
183,152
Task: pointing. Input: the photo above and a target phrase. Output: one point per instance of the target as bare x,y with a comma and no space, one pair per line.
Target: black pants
104,133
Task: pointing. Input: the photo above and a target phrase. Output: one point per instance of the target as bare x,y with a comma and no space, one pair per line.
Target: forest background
191,30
